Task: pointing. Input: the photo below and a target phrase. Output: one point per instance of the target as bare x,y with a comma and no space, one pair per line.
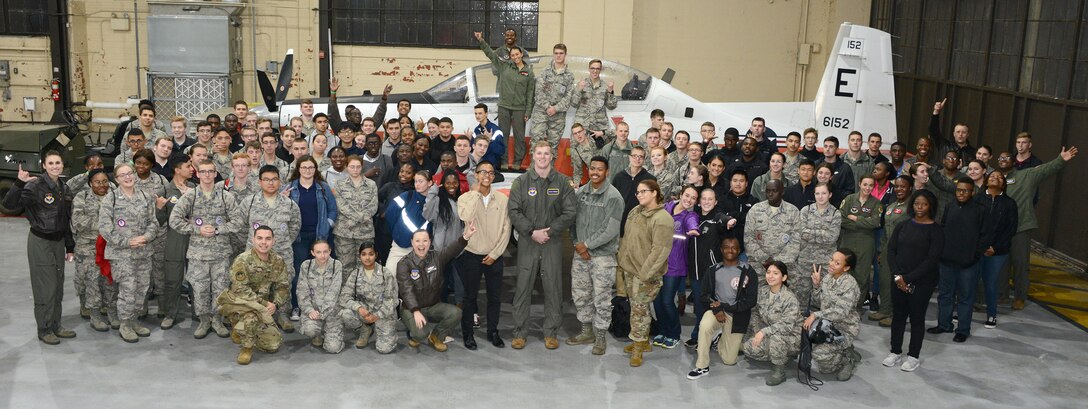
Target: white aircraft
856,92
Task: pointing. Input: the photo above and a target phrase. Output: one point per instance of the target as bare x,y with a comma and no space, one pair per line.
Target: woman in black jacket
48,204
914,252
704,251
1001,222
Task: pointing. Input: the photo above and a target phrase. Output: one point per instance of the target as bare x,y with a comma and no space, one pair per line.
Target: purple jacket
682,223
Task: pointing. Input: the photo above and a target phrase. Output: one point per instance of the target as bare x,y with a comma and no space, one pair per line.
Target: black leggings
472,269
914,306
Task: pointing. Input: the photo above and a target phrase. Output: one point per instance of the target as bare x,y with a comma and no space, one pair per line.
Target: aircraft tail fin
273,97
857,91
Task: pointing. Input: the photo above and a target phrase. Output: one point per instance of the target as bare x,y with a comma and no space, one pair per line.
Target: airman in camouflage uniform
778,316
281,214
819,231
121,218
838,299
553,88
222,163
241,192
94,290
358,202
375,292
582,149
155,187
593,99
596,234
208,264
770,231
319,290
254,284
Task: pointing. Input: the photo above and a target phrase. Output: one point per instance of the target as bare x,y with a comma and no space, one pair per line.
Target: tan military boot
98,324
317,341
584,337
203,327
636,353
220,330
127,333
285,323
600,344
436,343
115,322
140,330
518,343
234,337
551,342
646,347
245,356
364,337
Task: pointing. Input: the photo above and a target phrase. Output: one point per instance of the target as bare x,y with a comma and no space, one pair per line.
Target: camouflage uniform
771,233
94,290
792,165
670,188
280,164
222,163
819,239
618,157
208,263
858,235
593,103
241,193
155,186
254,283
285,220
838,298
593,281
580,154
377,292
355,224
553,88
319,290
779,317
895,214
861,167
120,219
759,185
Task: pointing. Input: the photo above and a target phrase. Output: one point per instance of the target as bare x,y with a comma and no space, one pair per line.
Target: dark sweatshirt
1001,221
965,238
914,252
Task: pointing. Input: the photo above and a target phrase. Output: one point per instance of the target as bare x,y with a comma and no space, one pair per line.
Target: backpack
621,317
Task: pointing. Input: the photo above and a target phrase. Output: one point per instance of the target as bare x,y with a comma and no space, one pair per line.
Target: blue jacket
326,208
497,149
405,215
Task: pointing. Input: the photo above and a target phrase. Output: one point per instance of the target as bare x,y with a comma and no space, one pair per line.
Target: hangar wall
732,50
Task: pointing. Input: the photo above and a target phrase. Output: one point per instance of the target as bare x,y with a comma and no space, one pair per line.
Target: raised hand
388,89
1066,154
24,176
582,84
479,36
611,86
334,84
938,106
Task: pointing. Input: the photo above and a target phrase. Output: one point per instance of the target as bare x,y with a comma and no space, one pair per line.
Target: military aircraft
856,92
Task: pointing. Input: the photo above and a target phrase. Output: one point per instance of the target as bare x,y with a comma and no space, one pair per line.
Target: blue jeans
668,317
301,248
698,306
990,270
957,292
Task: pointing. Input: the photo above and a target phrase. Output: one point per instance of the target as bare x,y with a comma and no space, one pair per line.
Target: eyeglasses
641,191
270,180
637,156
306,168
1004,157
125,175
485,173
206,172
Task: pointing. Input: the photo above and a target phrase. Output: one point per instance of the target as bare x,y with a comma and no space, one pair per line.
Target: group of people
335,227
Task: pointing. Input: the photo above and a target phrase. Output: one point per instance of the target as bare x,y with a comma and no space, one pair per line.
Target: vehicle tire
5,186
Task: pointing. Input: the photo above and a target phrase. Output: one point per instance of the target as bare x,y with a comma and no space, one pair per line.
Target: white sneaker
295,314
910,364
892,360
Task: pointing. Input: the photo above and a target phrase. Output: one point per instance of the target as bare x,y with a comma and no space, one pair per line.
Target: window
24,17
1048,55
432,23
971,38
1006,44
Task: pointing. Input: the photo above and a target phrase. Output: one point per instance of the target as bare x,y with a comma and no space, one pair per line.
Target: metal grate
188,95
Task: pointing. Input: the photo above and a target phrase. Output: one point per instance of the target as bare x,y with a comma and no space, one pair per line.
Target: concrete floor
1033,359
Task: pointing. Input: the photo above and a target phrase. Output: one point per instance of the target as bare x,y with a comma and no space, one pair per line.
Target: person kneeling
777,322
730,289
259,282
837,294
318,292
369,301
420,281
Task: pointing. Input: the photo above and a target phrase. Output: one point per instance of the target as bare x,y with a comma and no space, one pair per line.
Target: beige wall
750,51
31,76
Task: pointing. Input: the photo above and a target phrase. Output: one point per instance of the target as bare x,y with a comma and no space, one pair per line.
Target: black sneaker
698,373
692,343
955,318
959,338
991,322
714,343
